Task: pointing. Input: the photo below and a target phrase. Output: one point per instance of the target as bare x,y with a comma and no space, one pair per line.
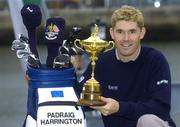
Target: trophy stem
93,62
93,68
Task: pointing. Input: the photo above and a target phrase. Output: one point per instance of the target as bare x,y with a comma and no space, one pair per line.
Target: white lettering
112,87
31,10
60,115
162,81
60,121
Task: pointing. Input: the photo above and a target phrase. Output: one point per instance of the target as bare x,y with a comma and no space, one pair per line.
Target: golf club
18,45
23,53
33,61
62,61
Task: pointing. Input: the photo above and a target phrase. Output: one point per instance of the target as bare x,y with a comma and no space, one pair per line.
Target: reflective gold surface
91,92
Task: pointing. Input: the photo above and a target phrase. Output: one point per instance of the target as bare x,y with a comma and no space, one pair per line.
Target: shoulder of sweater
107,55
151,52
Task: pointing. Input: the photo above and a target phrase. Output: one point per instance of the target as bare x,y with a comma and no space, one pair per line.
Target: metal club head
23,38
64,50
73,51
73,33
62,61
33,61
76,30
23,53
18,45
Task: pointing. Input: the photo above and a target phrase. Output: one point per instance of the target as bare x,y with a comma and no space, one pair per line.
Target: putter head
62,61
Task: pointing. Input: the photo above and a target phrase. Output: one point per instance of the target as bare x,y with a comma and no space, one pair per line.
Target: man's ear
111,32
143,32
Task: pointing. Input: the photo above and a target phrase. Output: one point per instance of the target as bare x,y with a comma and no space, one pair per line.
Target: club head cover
31,15
54,37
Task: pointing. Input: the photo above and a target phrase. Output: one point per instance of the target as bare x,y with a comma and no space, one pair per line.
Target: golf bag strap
53,103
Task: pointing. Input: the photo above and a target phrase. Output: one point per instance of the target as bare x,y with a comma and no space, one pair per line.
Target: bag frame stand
52,98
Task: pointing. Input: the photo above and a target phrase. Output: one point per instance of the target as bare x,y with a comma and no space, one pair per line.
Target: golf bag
52,99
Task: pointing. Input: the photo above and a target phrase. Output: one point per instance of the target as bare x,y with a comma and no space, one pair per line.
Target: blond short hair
128,13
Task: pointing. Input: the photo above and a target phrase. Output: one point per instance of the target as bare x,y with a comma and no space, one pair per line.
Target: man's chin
126,53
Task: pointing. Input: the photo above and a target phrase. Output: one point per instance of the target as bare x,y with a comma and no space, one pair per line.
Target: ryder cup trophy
91,92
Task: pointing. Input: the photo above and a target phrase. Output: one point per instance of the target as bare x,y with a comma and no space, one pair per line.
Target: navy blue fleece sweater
141,87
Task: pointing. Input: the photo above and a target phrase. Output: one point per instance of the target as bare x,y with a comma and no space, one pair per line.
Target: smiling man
135,79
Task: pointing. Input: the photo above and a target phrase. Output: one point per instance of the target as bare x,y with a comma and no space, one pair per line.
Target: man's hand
112,106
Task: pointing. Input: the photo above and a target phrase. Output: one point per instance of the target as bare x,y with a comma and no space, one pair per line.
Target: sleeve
158,93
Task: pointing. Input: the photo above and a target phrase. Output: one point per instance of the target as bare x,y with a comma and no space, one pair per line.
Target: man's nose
126,36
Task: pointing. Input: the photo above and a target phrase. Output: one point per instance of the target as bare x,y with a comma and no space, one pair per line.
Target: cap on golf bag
52,99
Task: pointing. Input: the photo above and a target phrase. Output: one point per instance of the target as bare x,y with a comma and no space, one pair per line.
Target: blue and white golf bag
52,99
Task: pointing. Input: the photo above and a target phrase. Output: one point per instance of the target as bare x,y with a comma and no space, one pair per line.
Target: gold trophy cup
91,92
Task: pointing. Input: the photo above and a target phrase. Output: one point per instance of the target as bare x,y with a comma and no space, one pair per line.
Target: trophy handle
110,46
77,44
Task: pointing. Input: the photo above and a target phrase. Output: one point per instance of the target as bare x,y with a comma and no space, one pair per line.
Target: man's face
127,36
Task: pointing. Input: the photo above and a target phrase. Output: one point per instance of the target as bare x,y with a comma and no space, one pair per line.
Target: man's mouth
126,45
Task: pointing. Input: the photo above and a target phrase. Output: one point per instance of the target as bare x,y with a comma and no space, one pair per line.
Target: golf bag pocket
52,99
57,108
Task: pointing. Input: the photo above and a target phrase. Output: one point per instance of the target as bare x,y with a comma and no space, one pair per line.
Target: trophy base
84,102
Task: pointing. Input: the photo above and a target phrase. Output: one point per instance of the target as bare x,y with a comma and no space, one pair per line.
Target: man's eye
133,31
119,31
